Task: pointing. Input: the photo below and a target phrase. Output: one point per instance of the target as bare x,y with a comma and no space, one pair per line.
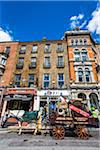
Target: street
12,141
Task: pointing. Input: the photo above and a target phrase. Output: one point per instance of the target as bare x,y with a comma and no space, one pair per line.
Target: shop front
18,99
46,96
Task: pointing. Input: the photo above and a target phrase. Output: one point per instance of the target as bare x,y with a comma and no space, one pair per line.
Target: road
12,141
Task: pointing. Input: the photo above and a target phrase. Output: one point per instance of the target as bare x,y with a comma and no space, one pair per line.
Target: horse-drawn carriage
63,116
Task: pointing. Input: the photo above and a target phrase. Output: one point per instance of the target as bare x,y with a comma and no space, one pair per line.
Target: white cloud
83,24
79,17
5,35
73,18
75,21
94,23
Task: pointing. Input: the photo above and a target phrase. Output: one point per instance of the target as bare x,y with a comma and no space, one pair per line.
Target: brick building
82,54
53,68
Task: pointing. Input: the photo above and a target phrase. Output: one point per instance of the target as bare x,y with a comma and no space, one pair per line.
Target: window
59,48
84,76
77,55
76,42
80,75
85,41
7,50
22,49
84,55
1,71
60,80
33,63
72,41
47,62
94,100
46,81
87,75
82,96
21,60
81,42
17,80
17,77
20,63
3,61
31,80
60,62
34,48
47,48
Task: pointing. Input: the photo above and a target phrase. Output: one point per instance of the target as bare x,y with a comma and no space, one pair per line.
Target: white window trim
49,80
61,80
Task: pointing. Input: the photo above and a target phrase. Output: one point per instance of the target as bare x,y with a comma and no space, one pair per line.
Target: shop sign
21,91
53,93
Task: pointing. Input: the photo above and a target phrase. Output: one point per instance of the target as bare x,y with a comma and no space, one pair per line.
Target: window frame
60,61
60,49
60,81
47,48
46,81
47,61
34,50
79,56
80,76
84,56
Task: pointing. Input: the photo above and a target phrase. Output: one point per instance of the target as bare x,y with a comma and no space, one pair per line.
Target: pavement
12,141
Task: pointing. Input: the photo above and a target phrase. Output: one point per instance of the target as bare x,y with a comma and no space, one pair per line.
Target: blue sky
29,21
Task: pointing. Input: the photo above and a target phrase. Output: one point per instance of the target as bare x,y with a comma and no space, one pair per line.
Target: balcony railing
19,66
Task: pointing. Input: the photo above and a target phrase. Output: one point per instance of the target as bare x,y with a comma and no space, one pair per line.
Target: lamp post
2,110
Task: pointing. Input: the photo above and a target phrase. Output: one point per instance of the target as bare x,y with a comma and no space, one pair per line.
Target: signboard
36,103
53,93
85,114
21,91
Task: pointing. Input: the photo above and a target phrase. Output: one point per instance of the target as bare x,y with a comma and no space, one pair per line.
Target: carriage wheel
82,132
58,132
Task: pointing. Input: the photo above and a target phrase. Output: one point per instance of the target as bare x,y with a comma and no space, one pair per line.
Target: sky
33,20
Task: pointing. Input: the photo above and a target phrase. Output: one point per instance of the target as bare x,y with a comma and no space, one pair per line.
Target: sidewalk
4,130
